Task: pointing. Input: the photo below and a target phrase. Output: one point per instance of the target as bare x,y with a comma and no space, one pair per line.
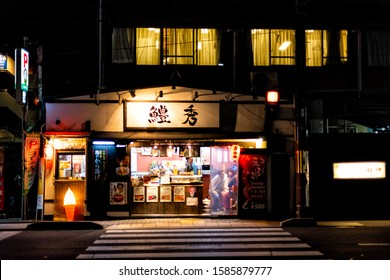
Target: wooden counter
167,199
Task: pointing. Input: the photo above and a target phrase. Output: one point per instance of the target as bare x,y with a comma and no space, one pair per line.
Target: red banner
31,157
253,184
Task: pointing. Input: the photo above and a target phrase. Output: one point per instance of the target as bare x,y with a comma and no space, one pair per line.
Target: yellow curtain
282,47
313,47
185,46
180,46
343,45
207,47
335,47
273,47
260,47
148,46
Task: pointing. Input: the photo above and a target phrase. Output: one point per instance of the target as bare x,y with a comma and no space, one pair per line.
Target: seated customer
217,184
231,192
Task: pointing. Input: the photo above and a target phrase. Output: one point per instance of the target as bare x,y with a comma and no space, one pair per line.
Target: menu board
139,194
152,194
165,194
118,193
179,194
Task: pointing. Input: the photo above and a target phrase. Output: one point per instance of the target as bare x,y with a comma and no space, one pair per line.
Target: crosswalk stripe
198,243
112,230
6,234
194,234
174,247
197,240
207,255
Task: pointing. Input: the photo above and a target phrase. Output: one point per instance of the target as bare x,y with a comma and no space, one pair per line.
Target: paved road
193,238
199,243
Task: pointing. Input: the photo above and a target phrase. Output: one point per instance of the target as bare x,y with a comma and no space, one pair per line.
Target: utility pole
301,131
21,89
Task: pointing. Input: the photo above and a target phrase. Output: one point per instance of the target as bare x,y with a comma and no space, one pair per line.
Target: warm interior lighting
69,204
284,45
259,143
49,151
170,150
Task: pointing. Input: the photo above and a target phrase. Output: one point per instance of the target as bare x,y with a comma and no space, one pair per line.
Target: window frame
270,48
327,60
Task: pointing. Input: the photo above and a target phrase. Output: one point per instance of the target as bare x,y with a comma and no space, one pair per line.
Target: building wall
348,198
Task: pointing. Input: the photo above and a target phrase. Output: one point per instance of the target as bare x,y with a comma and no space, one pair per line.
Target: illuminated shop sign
69,143
24,60
3,62
172,115
359,170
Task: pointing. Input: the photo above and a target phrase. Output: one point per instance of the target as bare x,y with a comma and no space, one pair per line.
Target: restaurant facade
161,153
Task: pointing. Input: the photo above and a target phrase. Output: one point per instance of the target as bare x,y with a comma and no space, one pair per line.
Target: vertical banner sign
31,156
253,185
21,75
41,182
100,163
24,69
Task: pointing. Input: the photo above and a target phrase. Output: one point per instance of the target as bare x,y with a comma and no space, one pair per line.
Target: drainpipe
100,55
235,38
301,132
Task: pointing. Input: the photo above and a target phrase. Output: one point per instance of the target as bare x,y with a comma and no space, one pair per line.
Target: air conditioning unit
261,81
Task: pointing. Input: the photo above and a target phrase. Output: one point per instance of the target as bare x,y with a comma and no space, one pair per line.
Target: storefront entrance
184,179
165,178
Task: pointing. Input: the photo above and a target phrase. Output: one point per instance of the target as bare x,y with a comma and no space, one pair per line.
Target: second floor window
325,47
273,47
167,46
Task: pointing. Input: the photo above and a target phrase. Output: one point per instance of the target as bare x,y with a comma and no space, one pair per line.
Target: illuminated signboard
24,69
154,115
3,62
7,64
21,75
359,170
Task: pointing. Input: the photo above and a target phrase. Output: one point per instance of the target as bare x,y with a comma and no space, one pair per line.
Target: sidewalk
149,223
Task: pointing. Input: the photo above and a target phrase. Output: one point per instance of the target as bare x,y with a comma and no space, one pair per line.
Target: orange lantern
235,152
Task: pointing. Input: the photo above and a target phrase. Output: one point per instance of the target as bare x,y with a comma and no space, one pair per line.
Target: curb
64,226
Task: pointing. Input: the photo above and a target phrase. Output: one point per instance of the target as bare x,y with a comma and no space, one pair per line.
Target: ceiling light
103,142
284,45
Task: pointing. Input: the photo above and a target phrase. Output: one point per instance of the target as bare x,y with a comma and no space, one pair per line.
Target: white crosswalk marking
6,234
203,243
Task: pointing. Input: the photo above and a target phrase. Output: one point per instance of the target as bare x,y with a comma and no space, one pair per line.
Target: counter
183,195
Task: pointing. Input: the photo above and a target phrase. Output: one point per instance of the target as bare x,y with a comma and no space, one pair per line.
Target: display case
186,179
